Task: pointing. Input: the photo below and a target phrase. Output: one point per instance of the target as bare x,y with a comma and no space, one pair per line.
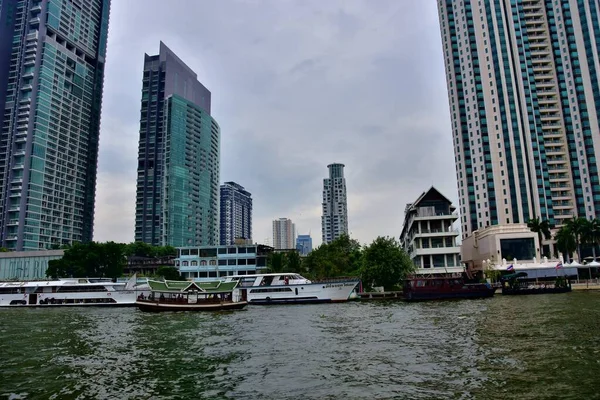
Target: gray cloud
296,86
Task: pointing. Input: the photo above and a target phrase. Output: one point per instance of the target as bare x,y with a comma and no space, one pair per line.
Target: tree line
573,236
382,263
104,260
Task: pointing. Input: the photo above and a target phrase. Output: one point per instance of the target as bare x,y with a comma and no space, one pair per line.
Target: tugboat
434,288
190,296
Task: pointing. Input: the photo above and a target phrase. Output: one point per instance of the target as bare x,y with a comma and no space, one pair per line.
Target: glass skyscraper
524,97
178,159
236,213
334,221
52,55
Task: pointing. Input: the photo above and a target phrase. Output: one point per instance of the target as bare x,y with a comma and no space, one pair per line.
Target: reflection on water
505,347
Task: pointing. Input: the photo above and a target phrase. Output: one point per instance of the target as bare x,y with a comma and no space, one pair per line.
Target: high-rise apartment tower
524,90
334,221
284,234
236,213
52,55
178,161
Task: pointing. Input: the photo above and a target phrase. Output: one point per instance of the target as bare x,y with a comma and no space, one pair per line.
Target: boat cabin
189,292
281,279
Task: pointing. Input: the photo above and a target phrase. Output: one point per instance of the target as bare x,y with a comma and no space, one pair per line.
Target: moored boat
518,284
191,296
291,288
70,292
439,288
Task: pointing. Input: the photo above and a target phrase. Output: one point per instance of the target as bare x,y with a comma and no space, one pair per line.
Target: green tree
385,263
98,260
591,234
542,228
275,262
140,249
169,273
293,263
4,250
565,241
341,257
577,227
165,251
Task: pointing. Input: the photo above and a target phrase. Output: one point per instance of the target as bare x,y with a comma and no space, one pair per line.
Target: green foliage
541,227
342,257
169,273
284,262
385,263
565,241
4,250
101,260
141,249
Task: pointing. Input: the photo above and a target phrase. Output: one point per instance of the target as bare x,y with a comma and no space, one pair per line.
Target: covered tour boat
291,288
439,288
71,292
519,284
191,296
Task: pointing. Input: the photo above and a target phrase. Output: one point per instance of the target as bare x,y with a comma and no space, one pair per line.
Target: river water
526,347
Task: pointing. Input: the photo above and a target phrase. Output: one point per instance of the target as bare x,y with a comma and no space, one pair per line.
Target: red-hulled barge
440,288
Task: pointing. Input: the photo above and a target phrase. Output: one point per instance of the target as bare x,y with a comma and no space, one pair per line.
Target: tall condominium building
236,213
284,234
304,244
52,55
334,221
524,95
178,160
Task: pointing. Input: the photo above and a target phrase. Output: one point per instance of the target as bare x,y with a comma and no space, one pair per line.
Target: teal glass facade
54,70
191,178
178,160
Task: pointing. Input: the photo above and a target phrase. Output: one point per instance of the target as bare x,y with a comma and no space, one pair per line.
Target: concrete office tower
304,244
334,221
178,161
524,88
236,213
52,56
284,234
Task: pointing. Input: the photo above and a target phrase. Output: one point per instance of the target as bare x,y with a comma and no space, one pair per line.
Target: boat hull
115,298
326,292
520,292
154,306
467,294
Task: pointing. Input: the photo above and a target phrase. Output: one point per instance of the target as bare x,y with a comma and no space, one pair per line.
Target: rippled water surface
529,347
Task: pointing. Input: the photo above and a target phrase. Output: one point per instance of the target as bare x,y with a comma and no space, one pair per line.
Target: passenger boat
285,288
71,292
434,288
517,284
191,296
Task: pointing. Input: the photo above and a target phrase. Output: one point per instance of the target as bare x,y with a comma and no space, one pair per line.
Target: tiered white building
428,235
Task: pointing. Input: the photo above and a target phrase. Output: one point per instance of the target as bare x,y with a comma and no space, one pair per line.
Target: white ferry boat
291,288
71,292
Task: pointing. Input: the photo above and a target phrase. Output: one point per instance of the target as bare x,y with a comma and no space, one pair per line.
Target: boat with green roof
191,296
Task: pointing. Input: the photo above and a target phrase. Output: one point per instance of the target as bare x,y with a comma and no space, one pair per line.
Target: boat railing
336,279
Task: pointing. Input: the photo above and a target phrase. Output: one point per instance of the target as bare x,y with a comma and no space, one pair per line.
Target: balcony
437,250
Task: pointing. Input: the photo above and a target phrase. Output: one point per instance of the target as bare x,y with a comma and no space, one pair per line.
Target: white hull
114,298
302,293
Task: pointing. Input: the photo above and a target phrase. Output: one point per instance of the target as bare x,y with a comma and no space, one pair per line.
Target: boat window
420,283
90,288
271,290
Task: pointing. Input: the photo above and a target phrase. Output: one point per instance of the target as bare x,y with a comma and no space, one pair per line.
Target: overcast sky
296,85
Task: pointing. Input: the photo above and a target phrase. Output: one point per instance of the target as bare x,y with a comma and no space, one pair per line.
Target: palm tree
591,234
577,228
565,241
541,227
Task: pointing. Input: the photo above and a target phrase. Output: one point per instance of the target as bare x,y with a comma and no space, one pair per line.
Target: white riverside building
428,236
210,262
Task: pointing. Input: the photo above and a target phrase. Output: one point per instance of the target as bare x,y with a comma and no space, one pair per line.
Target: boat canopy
514,276
210,287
